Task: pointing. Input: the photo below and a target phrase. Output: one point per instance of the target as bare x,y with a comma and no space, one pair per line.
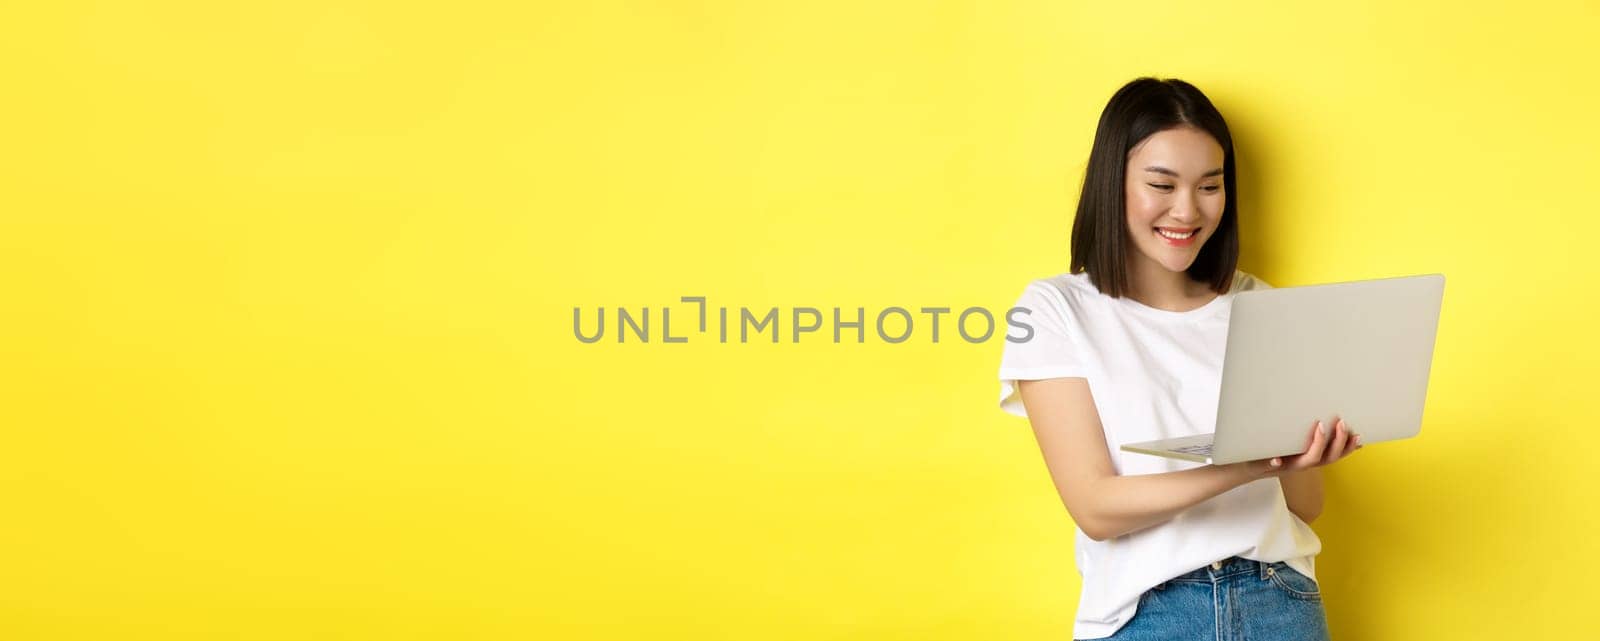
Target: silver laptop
1359,350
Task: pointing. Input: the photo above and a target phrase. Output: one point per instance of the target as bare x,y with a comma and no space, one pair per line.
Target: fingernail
1321,428
1276,462
1358,439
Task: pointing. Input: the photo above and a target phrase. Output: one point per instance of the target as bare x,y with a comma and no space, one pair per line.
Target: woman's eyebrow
1174,174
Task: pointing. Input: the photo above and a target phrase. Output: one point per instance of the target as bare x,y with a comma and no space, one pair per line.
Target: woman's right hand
1323,448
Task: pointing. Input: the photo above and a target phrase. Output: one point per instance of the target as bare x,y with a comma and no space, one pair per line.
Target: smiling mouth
1172,235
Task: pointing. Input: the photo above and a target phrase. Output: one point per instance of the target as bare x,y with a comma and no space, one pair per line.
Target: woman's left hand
1323,448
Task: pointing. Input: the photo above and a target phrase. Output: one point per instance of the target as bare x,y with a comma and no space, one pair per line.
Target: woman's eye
1211,188
1160,186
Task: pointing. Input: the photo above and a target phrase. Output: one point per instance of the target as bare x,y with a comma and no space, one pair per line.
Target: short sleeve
1041,342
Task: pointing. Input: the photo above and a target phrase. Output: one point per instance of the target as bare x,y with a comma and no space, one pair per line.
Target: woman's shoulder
1065,287
1244,281
1077,290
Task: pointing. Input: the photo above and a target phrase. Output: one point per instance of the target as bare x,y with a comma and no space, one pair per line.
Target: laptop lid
1361,350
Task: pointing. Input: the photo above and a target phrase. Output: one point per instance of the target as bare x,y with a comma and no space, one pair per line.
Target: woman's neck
1155,286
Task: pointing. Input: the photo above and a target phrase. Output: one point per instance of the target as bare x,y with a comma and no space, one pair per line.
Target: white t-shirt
1154,374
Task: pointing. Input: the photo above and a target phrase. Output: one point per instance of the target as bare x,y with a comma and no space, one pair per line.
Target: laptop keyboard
1203,450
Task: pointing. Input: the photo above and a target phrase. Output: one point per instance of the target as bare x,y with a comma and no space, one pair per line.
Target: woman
1128,347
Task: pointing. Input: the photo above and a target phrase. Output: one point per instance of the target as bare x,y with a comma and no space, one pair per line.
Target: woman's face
1174,184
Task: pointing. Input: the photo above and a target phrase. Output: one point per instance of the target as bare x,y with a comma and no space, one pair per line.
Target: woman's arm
1102,503
1302,489
1302,475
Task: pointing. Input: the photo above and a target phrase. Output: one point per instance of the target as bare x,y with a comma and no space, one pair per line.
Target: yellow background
288,294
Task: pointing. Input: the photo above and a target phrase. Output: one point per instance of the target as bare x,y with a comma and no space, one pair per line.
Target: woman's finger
1340,436
1313,454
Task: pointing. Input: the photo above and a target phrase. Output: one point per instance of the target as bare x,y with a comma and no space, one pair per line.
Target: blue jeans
1242,600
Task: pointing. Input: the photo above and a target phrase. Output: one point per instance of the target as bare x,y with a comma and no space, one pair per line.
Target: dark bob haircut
1100,230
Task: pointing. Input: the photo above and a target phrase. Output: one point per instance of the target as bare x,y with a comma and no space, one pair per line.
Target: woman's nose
1188,208
1185,211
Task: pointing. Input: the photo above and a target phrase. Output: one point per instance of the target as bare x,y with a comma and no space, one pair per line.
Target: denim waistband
1230,566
